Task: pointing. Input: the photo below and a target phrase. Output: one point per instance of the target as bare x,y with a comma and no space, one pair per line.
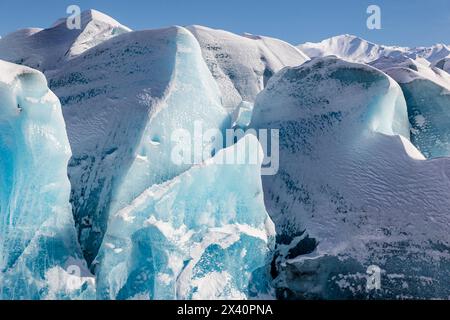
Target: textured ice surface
352,191
203,235
242,65
38,243
427,93
122,100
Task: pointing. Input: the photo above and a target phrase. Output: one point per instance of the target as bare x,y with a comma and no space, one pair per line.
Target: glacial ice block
38,243
427,93
203,235
122,101
352,191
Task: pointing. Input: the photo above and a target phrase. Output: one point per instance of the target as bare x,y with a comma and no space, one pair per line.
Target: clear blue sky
404,22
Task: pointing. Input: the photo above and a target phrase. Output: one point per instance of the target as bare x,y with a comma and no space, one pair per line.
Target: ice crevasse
352,191
38,242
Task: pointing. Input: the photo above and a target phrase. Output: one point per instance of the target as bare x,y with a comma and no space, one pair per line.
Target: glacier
38,243
427,92
94,206
188,240
347,195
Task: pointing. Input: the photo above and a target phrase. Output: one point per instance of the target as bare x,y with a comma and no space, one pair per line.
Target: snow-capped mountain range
47,49
356,49
363,179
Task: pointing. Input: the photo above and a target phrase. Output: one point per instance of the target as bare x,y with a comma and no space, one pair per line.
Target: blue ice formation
346,200
202,235
353,197
122,100
39,254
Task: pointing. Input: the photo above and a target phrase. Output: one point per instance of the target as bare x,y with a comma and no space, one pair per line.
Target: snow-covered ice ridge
363,179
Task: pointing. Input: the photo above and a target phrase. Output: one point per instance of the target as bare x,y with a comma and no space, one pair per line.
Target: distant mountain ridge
355,49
